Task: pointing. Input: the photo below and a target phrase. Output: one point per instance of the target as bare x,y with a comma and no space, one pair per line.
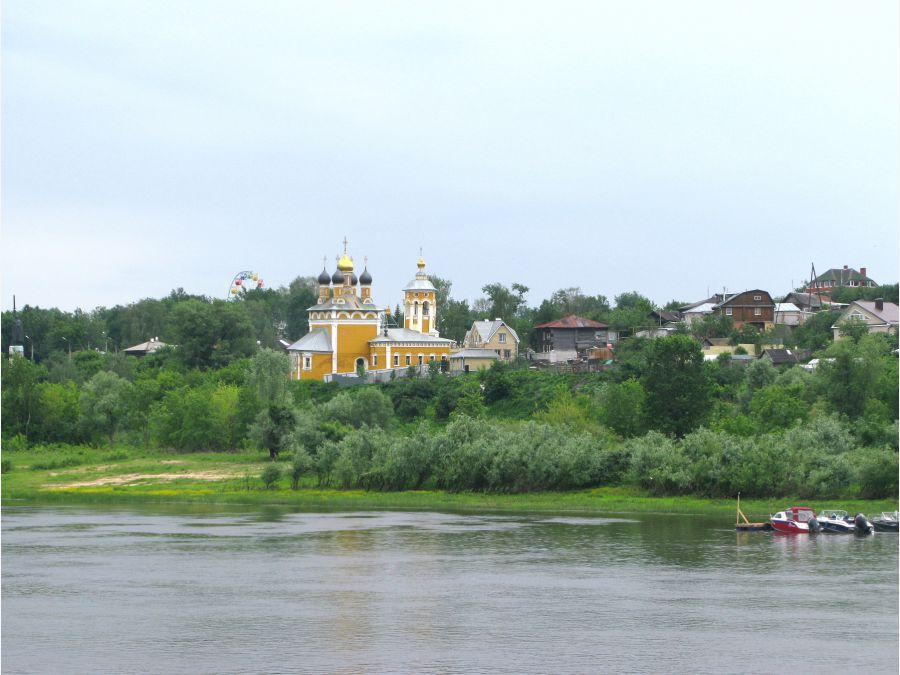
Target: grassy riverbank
121,476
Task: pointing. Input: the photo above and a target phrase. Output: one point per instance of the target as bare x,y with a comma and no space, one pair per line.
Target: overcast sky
672,148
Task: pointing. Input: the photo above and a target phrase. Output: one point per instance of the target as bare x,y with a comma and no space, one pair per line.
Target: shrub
270,475
5,466
300,464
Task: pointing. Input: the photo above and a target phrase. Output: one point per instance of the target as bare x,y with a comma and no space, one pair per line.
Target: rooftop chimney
846,268
862,270
879,304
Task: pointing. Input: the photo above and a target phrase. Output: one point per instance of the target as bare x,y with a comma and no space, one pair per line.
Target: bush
877,472
301,464
658,465
18,443
5,466
270,475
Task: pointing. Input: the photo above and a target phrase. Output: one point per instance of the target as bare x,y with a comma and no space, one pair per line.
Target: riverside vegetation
663,423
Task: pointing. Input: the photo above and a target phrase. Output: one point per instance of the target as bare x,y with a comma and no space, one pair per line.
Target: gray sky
665,147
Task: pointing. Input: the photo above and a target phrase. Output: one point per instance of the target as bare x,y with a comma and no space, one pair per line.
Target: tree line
662,418
211,333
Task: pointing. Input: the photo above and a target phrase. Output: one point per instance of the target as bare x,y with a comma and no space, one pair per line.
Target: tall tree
676,384
505,303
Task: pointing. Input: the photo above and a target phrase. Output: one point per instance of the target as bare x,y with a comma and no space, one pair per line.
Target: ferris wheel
243,282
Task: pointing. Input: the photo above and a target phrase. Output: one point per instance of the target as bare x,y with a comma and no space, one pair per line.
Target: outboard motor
862,524
814,525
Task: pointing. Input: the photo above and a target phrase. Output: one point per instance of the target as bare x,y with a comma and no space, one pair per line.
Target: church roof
407,335
345,302
314,341
420,285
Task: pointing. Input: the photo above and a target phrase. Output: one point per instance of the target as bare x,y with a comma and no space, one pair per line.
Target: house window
421,359
502,338
425,310
374,360
307,362
757,311
416,310
431,357
757,297
507,353
396,359
409,359
728,311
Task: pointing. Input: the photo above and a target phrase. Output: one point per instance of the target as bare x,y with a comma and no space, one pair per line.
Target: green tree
19,396
503,302
778,407
849,372
211,335
270,475
268,376
676,385
815,333
274,428
853,328
622,408
104,404
57,415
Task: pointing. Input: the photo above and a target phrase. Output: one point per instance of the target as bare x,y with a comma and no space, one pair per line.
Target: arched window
425,308
416,309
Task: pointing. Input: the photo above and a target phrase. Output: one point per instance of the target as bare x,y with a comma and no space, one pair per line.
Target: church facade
349,333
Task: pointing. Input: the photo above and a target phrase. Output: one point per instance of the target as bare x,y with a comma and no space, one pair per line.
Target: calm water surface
276,591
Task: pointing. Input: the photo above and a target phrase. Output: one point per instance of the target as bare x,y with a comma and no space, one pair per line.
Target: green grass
36,478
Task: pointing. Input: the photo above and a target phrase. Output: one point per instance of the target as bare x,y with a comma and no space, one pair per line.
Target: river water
212,590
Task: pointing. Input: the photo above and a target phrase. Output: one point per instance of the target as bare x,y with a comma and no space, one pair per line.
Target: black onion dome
337,277
365,278
353,279
324,278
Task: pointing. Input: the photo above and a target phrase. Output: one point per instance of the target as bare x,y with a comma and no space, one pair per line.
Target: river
224,590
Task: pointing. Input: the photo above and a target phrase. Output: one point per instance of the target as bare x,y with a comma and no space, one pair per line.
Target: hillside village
348,336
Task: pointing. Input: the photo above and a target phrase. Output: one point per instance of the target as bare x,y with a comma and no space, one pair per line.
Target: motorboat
795,520
886,522
833,520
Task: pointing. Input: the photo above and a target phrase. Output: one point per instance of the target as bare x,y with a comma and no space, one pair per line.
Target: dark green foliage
622,408
301,464
847,294
815,333
5,466
274,428
210,335
410,396
202,418
104,404
677,386
713,326
778,407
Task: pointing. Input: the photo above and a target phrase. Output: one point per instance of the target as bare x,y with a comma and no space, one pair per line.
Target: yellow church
349,333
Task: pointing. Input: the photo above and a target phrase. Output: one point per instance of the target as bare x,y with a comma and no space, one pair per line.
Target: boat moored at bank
795,520
886,522
836,521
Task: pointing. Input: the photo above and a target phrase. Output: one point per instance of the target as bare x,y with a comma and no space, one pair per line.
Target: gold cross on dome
345,244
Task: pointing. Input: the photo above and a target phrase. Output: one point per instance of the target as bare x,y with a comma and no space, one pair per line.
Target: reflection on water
268,590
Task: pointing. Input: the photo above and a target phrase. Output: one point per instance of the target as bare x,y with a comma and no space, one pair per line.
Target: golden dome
421,262
345,264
